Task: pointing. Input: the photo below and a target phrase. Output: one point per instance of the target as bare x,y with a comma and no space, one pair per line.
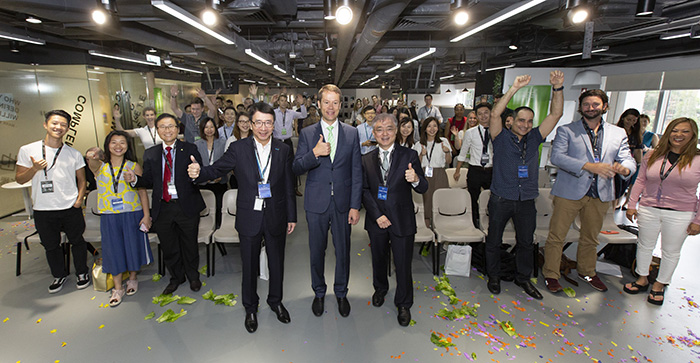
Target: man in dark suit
266,206
389,174
330,152
175,204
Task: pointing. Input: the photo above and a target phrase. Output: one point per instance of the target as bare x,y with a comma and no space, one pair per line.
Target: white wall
647,66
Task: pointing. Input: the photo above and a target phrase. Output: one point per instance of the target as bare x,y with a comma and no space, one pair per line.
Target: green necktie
331,140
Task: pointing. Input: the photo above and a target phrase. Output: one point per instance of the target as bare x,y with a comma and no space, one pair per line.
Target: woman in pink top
666,191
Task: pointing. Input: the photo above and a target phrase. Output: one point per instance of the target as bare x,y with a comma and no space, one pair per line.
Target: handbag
264,271
102,281
459,260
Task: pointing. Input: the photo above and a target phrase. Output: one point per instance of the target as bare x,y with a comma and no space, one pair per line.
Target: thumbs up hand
129,175
194,168
411,176
322,148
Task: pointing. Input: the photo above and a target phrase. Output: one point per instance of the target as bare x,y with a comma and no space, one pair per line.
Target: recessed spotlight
99,16
579,15
513,47
461,17
209,17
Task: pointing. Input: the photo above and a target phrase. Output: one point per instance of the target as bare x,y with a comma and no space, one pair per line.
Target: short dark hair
367,108
593,93
230,108
198,101
167,115
61,113
240,105
515,112
148,108
498,95
427,95
129,155
220,98
203,124
482,105
261,107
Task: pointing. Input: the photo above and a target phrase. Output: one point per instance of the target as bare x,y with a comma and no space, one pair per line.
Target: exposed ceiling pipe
382,19
346,35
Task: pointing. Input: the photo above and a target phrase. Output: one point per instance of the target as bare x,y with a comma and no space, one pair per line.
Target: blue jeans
523,213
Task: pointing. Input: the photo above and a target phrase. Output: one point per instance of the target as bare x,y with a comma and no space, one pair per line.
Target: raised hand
253,90
410,173
274,97
194,168
116,114
556,78
322,148
201,94
174,91
454,130
129,175
38,164
521,81
217,92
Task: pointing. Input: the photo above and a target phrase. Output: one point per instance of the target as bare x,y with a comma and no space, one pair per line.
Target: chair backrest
210,201
92,214
451,202
462,183
228,206
484,210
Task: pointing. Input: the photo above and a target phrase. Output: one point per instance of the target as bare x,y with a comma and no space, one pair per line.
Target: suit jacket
188,194
399,204
281,208
218,151
572,148
344,174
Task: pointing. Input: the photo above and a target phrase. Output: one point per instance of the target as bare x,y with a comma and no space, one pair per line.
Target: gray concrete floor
608,327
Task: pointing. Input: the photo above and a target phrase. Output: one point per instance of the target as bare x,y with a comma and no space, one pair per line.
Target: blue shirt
365,133
508,154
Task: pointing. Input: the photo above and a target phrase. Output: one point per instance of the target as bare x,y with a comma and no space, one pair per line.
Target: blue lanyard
262,170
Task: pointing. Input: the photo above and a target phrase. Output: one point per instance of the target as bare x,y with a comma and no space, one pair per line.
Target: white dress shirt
437,157
473,144
264,154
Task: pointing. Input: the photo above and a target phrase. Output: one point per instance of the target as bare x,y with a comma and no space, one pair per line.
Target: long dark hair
203,124
424,130
128,155
236,127
409,138
636,132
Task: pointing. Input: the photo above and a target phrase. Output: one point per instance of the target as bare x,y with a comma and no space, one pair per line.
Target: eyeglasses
262,123
167,127
244,121
380,130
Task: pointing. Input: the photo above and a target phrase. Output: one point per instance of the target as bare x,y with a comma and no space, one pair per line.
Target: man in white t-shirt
57,173
147,134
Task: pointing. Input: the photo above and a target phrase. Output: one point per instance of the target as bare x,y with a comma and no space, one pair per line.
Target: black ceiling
383,33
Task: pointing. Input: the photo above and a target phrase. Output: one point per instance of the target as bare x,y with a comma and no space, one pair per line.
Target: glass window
682,103
645,102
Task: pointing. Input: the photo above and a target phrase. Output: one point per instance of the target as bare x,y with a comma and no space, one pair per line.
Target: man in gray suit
330,152
589,152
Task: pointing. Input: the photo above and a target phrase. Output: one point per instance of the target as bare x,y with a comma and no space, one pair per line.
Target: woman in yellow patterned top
125,216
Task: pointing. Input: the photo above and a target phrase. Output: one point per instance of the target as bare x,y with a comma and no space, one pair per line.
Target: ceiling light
676,35
695,31
93,79
369,80
446,77
497,18
645,7
22,38
397,66
461,17
99,16
513,47
448,91
95,72
328,44
500,67
300,80
97,53
603,49
190,19
248,80
329,9
152,50
462,58
209,17
181,68
14,46
33,20
262,83
252,54
330,69
578,15
344,13
279,69
430,51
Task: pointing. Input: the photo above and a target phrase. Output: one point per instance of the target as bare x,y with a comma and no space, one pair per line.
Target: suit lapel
586,140
339,146
395,161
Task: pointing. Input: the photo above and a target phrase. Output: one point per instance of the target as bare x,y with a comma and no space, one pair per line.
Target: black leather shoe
251,322
494,285
343,306
317,306
378,298
282,313
404,316
530,289
195,285
170,288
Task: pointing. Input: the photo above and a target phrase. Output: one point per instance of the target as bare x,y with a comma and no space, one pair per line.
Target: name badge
484,158
172,190
264,191
47,186
284,131
429,171
522,171
258,206
381,194
117,204
596,159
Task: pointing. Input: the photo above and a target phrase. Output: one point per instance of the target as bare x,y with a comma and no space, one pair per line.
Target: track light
461,16
104,9
504,14
675,35
463,58
98,53
328,44
14,46
252,54
99,16
209,17
397,66
645,7
190,19
185,69
22,38
578,11
344,13
280,69
329,9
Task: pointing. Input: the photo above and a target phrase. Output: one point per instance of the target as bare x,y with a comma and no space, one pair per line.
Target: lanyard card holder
264,191
47,186
382,192
522,171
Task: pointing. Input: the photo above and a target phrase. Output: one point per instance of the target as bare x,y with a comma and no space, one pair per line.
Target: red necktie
166,174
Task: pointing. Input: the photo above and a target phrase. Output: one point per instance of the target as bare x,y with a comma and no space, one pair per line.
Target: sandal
116,298
639,288
656,294
132,286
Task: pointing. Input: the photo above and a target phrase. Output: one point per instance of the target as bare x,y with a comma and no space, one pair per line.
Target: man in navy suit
176,202
266,206
389,174
330,152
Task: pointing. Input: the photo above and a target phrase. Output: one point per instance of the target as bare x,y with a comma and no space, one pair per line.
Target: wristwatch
558,89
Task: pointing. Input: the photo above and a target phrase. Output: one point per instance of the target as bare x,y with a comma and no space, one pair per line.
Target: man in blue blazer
266,206
389,174
330,153
588,152
175,204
